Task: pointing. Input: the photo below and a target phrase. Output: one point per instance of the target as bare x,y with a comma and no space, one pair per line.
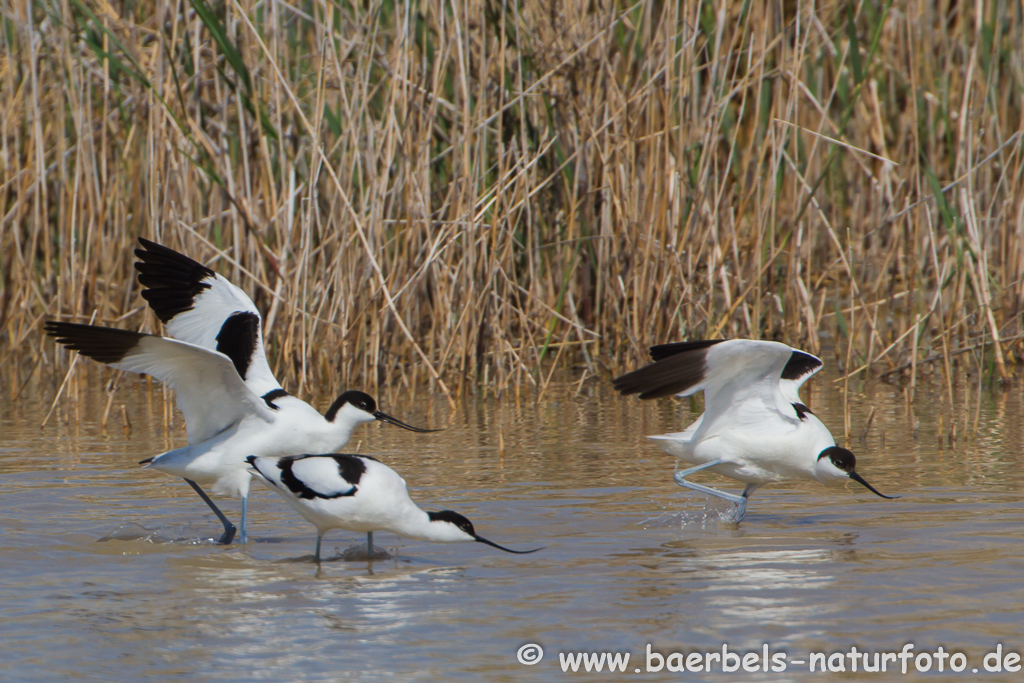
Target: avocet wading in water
233,405
754,427
360,493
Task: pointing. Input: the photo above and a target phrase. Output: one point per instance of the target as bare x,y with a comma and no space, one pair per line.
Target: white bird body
377,501
358,493
757,451
218,463
754,428
747,456
233,405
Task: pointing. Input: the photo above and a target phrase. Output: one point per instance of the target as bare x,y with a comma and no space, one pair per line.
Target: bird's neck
339,432
418,525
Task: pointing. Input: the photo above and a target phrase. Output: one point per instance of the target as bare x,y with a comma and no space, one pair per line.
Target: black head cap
366,403
844,460
840,457
358,399
453,518
467,526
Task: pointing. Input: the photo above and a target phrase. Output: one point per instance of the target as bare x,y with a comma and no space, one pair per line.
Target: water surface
630,558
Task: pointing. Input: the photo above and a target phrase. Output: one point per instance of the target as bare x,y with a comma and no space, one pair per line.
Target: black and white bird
359,493
754,428
233,405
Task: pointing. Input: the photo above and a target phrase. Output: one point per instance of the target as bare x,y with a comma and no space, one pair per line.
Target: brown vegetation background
476,193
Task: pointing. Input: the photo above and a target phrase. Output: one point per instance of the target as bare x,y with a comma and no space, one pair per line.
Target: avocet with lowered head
360,493
754,428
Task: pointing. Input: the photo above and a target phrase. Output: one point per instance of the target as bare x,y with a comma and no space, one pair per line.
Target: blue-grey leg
740,501
742,508
229,528
319,537
369,544
243,536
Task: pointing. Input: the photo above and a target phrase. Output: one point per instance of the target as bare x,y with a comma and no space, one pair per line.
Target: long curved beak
384,417
481,539
860,480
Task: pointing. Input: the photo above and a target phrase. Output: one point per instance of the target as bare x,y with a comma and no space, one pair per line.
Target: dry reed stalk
474,194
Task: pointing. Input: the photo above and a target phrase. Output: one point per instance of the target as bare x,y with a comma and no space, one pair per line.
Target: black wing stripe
801,410
238,338
350,469
269,397
800,364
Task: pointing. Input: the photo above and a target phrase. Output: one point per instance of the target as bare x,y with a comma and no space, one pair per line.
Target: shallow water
630,558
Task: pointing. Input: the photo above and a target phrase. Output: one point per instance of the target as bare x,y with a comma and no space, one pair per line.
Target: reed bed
480,194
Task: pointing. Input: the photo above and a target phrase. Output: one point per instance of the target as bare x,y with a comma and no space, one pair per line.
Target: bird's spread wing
745,382
209,391
203,308
743,386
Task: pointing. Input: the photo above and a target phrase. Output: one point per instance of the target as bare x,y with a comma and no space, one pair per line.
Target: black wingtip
104,344
660,351
172,280
677,368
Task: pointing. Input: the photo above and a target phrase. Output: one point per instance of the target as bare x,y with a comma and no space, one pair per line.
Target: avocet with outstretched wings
754,428
233,405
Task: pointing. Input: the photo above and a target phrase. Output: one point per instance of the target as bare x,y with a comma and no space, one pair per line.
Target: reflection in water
630,557
772,581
